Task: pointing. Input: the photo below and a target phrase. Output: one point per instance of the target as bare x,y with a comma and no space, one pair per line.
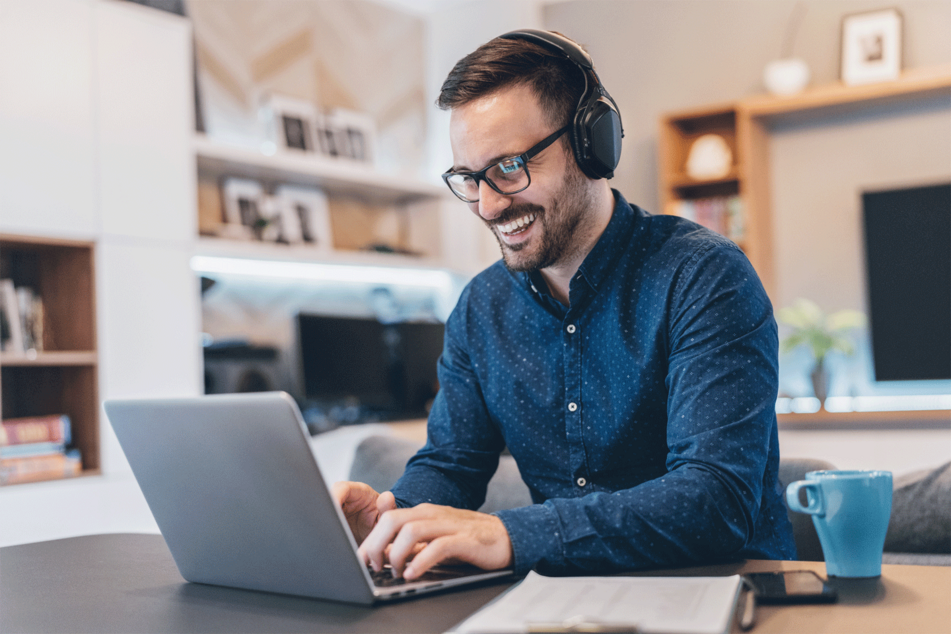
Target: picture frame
347,134
244,207
305,216
871,47
293,123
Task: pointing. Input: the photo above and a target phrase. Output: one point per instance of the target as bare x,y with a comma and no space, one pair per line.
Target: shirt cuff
535,534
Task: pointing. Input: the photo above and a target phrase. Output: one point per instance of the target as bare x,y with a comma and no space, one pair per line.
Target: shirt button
581,482
571,329
572,407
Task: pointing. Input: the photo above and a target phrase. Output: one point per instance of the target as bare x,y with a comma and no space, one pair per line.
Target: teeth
517,224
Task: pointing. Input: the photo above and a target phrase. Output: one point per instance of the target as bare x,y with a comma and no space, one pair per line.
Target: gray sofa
919,531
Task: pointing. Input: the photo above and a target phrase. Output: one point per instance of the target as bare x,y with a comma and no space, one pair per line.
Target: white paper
701,605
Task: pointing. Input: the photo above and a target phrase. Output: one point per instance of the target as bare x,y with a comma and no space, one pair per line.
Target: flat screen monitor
908,264
389,370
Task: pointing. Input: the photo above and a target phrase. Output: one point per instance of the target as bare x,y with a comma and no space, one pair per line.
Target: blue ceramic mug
850,510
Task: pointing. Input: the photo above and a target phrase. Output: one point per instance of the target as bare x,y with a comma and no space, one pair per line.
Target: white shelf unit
419,204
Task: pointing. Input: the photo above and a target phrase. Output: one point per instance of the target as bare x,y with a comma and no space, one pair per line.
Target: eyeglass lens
506,177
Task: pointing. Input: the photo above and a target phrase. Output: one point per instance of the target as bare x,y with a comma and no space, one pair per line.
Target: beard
560,220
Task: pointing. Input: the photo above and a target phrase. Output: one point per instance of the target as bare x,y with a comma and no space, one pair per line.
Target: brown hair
501,63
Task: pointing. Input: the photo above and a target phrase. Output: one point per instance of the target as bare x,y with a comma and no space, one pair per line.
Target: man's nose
491,202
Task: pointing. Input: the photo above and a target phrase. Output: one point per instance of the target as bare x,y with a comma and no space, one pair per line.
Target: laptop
239,498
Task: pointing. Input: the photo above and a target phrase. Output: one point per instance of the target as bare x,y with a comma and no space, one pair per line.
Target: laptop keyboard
385,578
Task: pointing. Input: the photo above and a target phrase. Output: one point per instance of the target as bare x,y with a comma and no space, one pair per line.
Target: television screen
386,369
908,264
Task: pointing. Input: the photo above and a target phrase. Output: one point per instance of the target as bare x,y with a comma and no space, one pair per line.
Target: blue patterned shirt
641,416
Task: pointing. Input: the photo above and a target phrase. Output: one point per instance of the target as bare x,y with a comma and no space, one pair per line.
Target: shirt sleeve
722,384
463,444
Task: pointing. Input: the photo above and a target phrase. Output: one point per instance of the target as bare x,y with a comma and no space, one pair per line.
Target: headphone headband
596,124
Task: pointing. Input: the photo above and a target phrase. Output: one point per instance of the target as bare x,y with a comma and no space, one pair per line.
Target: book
31,449
10,308
36,468
655,605
36,429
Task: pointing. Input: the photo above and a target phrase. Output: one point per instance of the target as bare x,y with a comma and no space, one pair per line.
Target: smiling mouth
518,225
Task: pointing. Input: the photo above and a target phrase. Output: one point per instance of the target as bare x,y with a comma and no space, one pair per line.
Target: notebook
650,605
237,494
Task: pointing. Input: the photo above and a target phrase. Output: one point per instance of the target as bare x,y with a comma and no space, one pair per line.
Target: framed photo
347,134
305,216
871,46
244,205
294,121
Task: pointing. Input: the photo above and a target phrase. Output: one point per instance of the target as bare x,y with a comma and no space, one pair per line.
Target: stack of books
723,214
37,448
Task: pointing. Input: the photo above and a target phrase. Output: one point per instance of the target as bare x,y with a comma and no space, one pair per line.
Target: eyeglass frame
524,158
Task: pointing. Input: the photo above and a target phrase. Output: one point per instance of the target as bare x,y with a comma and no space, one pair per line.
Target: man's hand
432,534
362,506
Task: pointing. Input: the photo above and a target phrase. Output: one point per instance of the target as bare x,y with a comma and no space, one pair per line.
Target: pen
747,610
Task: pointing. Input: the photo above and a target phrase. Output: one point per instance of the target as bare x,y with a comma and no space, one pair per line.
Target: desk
129,583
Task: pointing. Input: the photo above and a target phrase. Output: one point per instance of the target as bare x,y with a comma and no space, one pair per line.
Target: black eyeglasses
508,176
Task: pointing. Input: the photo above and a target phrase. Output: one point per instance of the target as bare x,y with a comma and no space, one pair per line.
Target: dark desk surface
129,583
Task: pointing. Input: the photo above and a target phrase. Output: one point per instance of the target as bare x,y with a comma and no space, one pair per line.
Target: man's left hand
432,534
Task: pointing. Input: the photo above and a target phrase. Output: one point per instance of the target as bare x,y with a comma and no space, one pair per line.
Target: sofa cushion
379,462
921,513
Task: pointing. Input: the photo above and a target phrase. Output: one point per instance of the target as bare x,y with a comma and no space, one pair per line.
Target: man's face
538,227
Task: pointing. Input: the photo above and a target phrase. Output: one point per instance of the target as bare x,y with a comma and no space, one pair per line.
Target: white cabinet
148,296
144,122
47,129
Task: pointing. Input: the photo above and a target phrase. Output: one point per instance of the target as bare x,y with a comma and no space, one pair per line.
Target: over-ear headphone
596,131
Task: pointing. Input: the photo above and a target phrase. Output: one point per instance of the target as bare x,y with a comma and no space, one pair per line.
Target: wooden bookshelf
745,126
62,377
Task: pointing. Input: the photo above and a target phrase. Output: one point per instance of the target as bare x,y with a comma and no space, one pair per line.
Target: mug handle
815,501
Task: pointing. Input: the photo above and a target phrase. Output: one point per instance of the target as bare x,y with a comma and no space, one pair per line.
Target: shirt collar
609,247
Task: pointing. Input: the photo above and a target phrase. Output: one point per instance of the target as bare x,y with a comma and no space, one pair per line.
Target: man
627,361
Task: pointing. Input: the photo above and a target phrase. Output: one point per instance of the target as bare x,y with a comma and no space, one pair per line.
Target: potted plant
821,333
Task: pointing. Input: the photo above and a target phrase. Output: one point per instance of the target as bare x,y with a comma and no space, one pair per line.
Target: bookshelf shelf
61,375
56,358
220,247
682,181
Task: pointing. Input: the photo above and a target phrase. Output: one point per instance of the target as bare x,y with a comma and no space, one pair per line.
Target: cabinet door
145,122
149,321
47,146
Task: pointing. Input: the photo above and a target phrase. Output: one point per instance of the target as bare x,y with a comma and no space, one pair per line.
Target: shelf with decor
744,127
49,362
701,177
354,214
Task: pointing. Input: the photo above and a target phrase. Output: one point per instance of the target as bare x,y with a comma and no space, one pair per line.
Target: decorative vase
786,76
820,383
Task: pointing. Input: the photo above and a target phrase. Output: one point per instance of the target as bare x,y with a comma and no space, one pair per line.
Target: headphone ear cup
599,139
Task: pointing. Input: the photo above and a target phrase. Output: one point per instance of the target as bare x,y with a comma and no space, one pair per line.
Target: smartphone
791,586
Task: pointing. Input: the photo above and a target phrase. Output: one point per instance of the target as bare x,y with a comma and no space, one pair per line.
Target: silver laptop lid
238,496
